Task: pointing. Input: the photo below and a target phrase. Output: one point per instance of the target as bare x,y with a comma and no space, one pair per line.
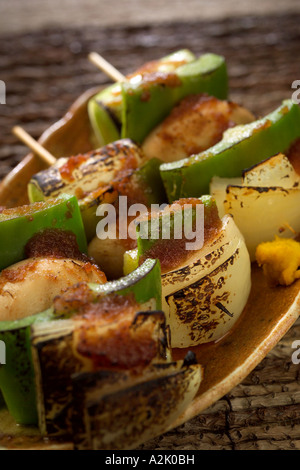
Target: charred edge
259,189
224,309
90,379
48,181
190,359
141,317
256,165
131,281
112,115
98,200
164,340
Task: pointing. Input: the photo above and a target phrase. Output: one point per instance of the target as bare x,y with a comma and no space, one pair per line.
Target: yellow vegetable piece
280,260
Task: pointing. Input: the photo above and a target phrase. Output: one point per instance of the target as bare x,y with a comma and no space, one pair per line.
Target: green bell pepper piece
19,224
105,108
241,147
160,228
16,375
146,103
2,402
148,178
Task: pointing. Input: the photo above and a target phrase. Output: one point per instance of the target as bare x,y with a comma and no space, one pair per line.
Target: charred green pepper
19,224
176,223
241,147
105,109
17,375
148,99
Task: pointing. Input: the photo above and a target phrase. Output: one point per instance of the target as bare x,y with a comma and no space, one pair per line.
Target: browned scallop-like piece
196,124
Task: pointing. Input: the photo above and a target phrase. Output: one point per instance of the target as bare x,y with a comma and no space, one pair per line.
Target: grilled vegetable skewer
144,285
99,177
97,361
109,342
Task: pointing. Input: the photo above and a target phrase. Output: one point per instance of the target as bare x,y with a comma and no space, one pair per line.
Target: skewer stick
37,148
106,67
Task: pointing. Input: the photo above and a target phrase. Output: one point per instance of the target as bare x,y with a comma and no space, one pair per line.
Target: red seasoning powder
71,164
123,347
171,253
54,243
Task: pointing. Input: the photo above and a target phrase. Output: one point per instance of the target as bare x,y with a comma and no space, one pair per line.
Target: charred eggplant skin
241,147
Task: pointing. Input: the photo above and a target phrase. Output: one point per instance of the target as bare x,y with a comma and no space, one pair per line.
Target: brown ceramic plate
268,315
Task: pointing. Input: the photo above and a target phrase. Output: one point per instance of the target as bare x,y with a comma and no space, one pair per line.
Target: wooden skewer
106,67
37,148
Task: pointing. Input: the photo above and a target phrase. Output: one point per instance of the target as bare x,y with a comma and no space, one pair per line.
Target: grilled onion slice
204,297
114,411
204,290
265,203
